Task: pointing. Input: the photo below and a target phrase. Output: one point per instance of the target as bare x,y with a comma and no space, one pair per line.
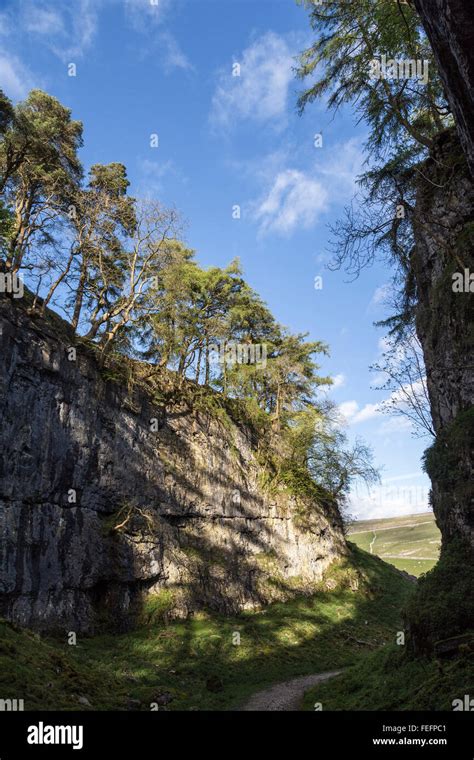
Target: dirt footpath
285,696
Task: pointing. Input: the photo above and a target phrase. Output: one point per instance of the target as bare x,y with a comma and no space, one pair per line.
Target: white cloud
368,412
338,381
143,13
353,414
380,296
83,28
384,344
146,18
348,409
260,93
43,21
407,476
5,25
152,176
396,425
174,57
340,165
389,501
294,200
68,30
16,80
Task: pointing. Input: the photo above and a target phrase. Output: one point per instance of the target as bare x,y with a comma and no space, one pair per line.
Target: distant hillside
411,542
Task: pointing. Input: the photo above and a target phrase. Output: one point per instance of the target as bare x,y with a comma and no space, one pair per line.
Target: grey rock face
444,235
99,509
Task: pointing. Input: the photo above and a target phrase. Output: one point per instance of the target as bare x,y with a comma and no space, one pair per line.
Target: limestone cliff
443,605
98,507
444,236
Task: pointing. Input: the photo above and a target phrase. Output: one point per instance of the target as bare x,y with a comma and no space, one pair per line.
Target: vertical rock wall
98,509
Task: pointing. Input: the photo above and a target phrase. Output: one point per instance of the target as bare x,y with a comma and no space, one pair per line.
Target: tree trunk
79,296
198,366
55,285
208,369
449,25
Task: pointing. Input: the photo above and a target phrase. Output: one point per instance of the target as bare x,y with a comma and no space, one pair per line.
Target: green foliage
404,114
442,459
443,605
445,461
318,463
389,680
6,228
158,607
133,289
39,169
300,483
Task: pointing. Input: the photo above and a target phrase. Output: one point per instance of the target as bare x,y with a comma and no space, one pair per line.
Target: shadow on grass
211,662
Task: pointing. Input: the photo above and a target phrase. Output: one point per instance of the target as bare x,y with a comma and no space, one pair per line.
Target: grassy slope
196,662
410,543
389,680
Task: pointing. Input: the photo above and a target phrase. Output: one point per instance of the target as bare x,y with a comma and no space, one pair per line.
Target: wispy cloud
338,381
43,21
380,295
15,78
396,425
353,414
152,176
381,299
147,18
68,30
5,24
340,165
260,93
143,13
174,57
294,198
388,500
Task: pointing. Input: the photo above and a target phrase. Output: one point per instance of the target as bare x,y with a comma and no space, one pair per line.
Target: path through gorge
287,695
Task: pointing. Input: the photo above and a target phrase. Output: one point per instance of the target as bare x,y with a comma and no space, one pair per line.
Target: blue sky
167,68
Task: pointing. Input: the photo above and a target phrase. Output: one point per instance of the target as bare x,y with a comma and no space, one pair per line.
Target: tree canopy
375,56
120,271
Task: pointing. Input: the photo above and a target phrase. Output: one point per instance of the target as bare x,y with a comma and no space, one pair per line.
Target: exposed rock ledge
193,517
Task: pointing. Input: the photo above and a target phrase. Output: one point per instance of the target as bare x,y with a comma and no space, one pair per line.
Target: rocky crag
443,271
443,267
109,495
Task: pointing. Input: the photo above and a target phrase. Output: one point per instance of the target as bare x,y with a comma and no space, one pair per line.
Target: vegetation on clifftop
117,268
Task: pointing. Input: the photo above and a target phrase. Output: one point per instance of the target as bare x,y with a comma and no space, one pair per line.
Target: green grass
196,663
414,567
389,680
411,543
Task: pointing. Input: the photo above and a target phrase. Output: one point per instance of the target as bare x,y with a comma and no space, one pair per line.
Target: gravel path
371,547
285,696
